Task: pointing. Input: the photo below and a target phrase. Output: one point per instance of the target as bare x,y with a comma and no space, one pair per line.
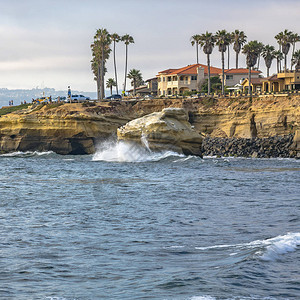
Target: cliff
165,130
76,128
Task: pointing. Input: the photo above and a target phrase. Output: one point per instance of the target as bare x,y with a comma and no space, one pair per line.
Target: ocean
126,223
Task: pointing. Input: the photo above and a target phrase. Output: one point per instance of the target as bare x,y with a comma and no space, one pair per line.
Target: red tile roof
240,71
167,71
191,70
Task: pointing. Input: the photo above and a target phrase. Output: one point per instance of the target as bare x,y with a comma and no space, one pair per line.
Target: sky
46,43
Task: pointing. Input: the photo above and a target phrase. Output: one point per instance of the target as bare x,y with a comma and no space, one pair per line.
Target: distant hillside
21,95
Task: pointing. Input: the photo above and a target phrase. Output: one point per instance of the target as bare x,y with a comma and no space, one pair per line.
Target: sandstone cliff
165,130
75,128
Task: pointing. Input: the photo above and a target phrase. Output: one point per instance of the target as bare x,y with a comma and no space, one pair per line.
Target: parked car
148,97
114,97
78,98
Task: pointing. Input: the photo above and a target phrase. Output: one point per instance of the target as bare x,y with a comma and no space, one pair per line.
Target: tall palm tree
296,60
115,38
207,42
268,55
286,45
195,39
295,37
136,78
127,39
279,57
100,52
279,39
251,50
239,39
223,39
260,48
110,83
230,37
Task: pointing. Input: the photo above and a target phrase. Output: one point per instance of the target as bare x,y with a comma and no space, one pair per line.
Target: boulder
165,130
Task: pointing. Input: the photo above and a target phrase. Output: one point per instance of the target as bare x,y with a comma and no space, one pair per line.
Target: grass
10,109
53,105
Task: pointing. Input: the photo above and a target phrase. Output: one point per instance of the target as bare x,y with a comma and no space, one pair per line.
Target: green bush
10,109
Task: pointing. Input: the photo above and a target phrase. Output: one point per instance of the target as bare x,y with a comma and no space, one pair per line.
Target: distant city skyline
48,42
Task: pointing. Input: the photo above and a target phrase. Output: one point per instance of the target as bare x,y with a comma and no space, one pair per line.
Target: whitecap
26,153
278,246
268,250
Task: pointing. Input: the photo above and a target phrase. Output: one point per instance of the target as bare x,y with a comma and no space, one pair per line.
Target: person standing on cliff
69,94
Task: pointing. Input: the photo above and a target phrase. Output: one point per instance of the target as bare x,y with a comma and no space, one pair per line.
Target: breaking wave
268,250
123,151
26,153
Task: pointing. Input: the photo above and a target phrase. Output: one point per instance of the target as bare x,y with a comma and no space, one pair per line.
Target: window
194,77
181,77
169,78
164,78
174,78
228,77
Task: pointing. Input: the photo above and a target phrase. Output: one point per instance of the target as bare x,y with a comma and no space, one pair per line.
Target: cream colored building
189,78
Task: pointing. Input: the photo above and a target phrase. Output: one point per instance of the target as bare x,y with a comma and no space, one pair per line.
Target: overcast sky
46,43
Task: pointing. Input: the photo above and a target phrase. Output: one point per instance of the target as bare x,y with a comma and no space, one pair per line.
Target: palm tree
100,52
268,55
279,39
295,37
195,39
223,39
286,40
279,57
127,39
110,83
260,48
239,39
136,78
286,45
207,41
251,50
115,38
230,37
296,60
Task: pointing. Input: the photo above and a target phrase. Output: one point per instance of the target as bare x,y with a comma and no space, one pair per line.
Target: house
152,85
284,81
150,88
236,76
189,78
256,84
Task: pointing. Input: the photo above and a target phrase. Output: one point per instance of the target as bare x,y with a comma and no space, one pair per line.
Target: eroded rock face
64,130
165,130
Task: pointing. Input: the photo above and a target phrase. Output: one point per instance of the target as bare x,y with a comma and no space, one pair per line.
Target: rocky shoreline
263,127
272,147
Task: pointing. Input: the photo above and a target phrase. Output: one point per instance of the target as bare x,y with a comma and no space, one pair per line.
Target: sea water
127,223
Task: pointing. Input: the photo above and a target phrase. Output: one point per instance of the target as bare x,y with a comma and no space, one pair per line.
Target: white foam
123,151
278,246
269,249
26,153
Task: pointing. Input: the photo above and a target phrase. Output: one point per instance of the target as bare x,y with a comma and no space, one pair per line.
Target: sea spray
124,151
145,141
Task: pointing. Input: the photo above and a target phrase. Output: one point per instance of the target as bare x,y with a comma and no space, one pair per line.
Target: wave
268,250
26,153
123,151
